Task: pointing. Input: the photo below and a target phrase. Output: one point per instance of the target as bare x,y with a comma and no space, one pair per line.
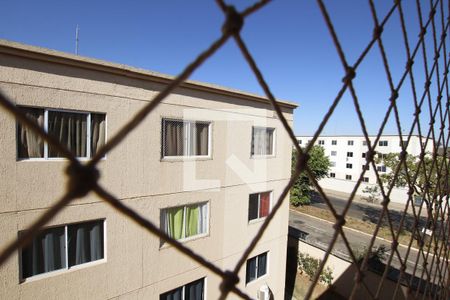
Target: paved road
368,212
320,233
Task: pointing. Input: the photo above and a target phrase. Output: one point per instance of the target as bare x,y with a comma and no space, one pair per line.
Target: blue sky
289,41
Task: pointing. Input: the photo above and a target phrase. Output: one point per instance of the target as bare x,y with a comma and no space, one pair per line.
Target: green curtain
192,215
175,222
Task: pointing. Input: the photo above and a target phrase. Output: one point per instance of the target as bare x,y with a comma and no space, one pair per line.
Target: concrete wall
136,266
336,264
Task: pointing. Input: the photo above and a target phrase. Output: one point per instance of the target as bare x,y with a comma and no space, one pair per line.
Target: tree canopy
319,164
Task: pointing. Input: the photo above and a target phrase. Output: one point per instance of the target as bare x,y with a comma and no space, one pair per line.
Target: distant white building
347,154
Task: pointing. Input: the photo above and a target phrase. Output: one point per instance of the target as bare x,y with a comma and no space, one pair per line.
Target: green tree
319,164
433,180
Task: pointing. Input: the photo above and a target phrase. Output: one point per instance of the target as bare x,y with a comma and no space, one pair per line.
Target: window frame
365,179
333,153
333,142
259,206
163,222
256,270
348,177
321,142
383,143
273,154
66,268
350,142
187,139
45,128
332,164
381,169
349,166
349,154
332,175
183,287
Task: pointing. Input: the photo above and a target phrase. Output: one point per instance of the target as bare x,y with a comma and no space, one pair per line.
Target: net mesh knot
233,22
82,179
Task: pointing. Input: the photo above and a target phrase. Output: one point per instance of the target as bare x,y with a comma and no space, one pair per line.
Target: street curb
354,230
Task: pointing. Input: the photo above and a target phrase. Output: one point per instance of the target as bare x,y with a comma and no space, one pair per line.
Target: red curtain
264,204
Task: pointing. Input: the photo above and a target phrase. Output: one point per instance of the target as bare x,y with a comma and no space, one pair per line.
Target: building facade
347,155
206,166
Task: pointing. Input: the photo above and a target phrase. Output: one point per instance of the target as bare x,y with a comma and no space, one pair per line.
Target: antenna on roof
76,40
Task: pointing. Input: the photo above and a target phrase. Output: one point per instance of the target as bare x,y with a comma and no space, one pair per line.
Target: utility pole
76,40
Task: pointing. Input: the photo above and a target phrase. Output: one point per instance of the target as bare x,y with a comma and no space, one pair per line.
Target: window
259,205
367,168
382,143
364,143
403,144
81,132
186,221
348,177
350,142
349,154
381,169
382,155
190,291
333,163
63,247
262,141
299,142
366,179
185,138
333,142
332,175
256,267
321,142
333,153
349,166
364,154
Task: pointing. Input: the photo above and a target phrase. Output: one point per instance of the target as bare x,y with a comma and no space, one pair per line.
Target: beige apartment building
206,166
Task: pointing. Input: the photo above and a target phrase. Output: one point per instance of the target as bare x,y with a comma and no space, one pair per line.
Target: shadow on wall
291,267
343,286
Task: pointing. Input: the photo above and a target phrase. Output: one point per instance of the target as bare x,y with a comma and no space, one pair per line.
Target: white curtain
85,242
30,145
98,130
45,253
262,141
70,129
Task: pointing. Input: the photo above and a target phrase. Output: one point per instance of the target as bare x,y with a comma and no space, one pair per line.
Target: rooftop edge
45,54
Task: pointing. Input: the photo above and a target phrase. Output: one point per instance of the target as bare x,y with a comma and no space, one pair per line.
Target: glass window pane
175,294
262,264
253,207
264,204
174,222
85,242
251,270
173,138
262,141
29,144
192,220
70,129
98,132
45,253
194,290
199,139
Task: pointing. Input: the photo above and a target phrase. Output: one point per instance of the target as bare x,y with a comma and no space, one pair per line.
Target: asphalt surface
319,233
